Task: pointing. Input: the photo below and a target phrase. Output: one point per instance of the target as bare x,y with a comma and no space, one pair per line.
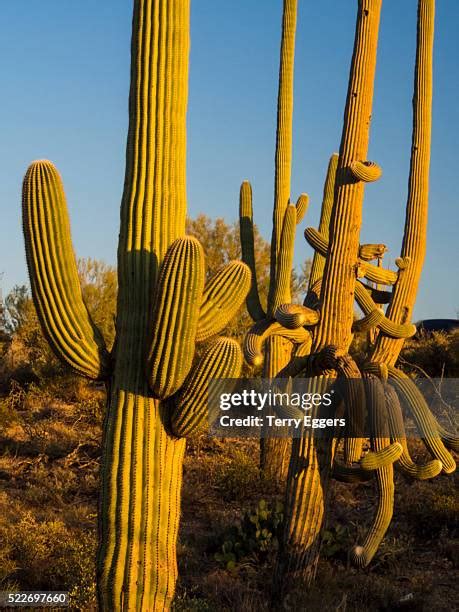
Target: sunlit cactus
339,269
278,333
156,392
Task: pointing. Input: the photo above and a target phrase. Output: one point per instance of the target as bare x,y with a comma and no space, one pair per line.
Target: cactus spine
163,307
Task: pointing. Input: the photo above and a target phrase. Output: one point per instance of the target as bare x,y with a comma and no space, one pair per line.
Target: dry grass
49,485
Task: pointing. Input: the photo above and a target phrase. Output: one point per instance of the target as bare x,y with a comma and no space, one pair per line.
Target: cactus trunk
142,465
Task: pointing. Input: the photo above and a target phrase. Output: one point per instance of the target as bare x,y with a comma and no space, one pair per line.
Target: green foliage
335,540
48,555
256,536
99,284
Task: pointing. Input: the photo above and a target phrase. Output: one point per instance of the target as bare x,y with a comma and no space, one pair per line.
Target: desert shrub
237,478
437,355
256,536
46,555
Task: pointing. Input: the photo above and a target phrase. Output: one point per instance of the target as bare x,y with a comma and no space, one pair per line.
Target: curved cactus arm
53,273
302,205
380,443
449,440
354,399
397,433
369,321
318,261
175,317
293,316
390,328
362,555
369,252
374,460
223,296
248,249
377,275
255,338
365,171
425,420
221,359
283,156
350,473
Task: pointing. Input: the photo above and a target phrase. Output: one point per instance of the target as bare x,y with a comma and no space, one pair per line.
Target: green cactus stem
365,171
293,316
175,316
222,298
318,261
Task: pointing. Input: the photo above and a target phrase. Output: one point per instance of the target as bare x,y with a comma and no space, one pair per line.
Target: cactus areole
156,390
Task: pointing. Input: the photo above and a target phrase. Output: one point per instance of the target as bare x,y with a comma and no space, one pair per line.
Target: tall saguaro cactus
156,394
274,342
312,459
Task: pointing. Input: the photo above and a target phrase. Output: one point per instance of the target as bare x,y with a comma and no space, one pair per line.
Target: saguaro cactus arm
283,164
401,305
318,261
53,274
248,249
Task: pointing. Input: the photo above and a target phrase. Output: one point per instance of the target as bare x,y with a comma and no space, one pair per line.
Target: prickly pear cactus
156,390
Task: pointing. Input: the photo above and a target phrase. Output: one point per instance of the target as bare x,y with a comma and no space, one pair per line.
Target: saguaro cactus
273,343
312,459
156,394
339,264
387,347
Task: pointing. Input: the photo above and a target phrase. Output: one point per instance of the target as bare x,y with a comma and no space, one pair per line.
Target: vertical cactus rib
302,205
337,306
282,285
318,261
283,157
53,274
254,306
401,305
274,452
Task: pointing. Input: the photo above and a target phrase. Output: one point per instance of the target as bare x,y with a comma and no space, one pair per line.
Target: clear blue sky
65,67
